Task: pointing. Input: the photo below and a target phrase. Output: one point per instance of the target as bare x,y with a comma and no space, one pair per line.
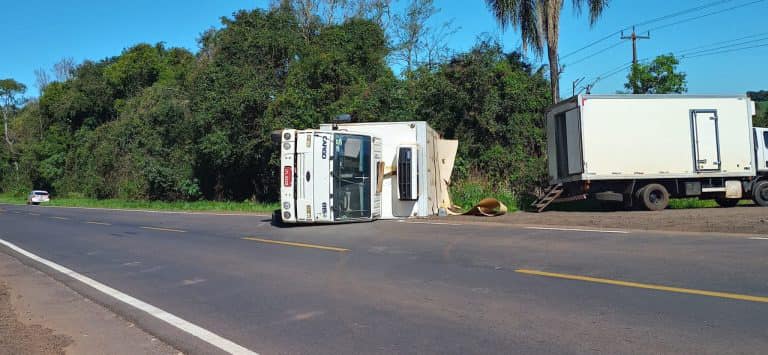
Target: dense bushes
164,124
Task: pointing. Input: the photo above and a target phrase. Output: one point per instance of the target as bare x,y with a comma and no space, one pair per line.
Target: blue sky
39,33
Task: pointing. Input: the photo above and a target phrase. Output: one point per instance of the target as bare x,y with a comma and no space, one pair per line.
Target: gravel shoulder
39,315
742,219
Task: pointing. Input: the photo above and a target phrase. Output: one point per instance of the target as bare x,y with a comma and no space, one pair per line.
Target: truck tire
727,202
653,197
760,193
277,218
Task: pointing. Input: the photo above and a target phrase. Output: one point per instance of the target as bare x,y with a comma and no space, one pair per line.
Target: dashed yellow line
734,296
98,223
164,229
294,244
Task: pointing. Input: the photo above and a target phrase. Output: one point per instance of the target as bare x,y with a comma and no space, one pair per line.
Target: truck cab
330,176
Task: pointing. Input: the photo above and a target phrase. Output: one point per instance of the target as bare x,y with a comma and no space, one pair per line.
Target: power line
647,22
596,53
683,12
723,51
704,53
686,53
706,15
593,43
723,42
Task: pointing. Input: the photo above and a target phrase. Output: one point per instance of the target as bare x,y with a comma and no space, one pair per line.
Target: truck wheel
653,197
277,218
760,193
727,202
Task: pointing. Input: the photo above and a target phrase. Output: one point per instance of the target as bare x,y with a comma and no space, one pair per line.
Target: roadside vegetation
208,206
761,99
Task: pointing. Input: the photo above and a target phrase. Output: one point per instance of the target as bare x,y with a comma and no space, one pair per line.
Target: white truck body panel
432,190
650,137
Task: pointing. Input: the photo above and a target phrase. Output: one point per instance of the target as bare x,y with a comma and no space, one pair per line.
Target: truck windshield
352,177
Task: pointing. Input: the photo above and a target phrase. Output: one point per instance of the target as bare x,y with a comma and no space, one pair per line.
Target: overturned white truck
644,149
352,172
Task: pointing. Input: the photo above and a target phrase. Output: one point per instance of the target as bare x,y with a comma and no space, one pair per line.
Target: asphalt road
404,287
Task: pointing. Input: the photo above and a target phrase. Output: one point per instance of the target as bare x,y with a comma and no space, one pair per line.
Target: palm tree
539,23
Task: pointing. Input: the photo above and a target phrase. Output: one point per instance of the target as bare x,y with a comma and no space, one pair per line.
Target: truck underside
654,194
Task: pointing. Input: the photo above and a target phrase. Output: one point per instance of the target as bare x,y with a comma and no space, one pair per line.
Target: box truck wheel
727,202
277,218
653,197
760,193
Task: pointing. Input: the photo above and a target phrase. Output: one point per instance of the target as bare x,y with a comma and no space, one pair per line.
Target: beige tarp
488,207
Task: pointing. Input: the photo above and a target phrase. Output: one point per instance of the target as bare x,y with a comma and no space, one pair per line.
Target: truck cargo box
417,166
609,137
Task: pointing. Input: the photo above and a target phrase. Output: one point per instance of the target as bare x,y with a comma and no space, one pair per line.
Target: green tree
761,104
243,70
493,103
10,97
87,98
539,24
658,77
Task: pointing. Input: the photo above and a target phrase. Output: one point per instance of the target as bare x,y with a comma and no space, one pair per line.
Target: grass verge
467,194
201,206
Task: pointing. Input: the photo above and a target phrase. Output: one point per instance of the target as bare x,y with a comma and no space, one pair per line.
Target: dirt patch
19,338
746,219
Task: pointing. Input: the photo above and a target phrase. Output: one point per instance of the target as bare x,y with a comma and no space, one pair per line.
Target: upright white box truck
644,149
351,172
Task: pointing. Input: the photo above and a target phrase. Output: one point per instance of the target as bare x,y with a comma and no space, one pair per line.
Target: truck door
568,143
761,148
706,142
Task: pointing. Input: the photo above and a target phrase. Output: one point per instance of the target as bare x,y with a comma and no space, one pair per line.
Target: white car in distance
37,197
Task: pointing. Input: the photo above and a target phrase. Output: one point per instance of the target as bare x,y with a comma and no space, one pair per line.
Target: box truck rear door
761,148
706,140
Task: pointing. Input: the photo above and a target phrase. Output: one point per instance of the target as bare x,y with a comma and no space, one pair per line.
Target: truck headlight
287,136
287,146
286,205
286,215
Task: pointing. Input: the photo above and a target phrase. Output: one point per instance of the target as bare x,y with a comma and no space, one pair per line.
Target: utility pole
634,37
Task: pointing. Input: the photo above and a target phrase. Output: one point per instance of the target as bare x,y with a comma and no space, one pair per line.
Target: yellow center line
294,244
62,218
165,229
734,296
99,223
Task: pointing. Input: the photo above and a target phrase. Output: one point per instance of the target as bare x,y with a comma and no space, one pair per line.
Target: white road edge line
192,329
759,238
579,230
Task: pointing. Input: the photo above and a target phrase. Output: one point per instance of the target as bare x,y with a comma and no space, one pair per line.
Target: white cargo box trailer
644,149
349,172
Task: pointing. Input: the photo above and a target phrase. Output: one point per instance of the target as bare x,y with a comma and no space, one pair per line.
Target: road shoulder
41,315
742,220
